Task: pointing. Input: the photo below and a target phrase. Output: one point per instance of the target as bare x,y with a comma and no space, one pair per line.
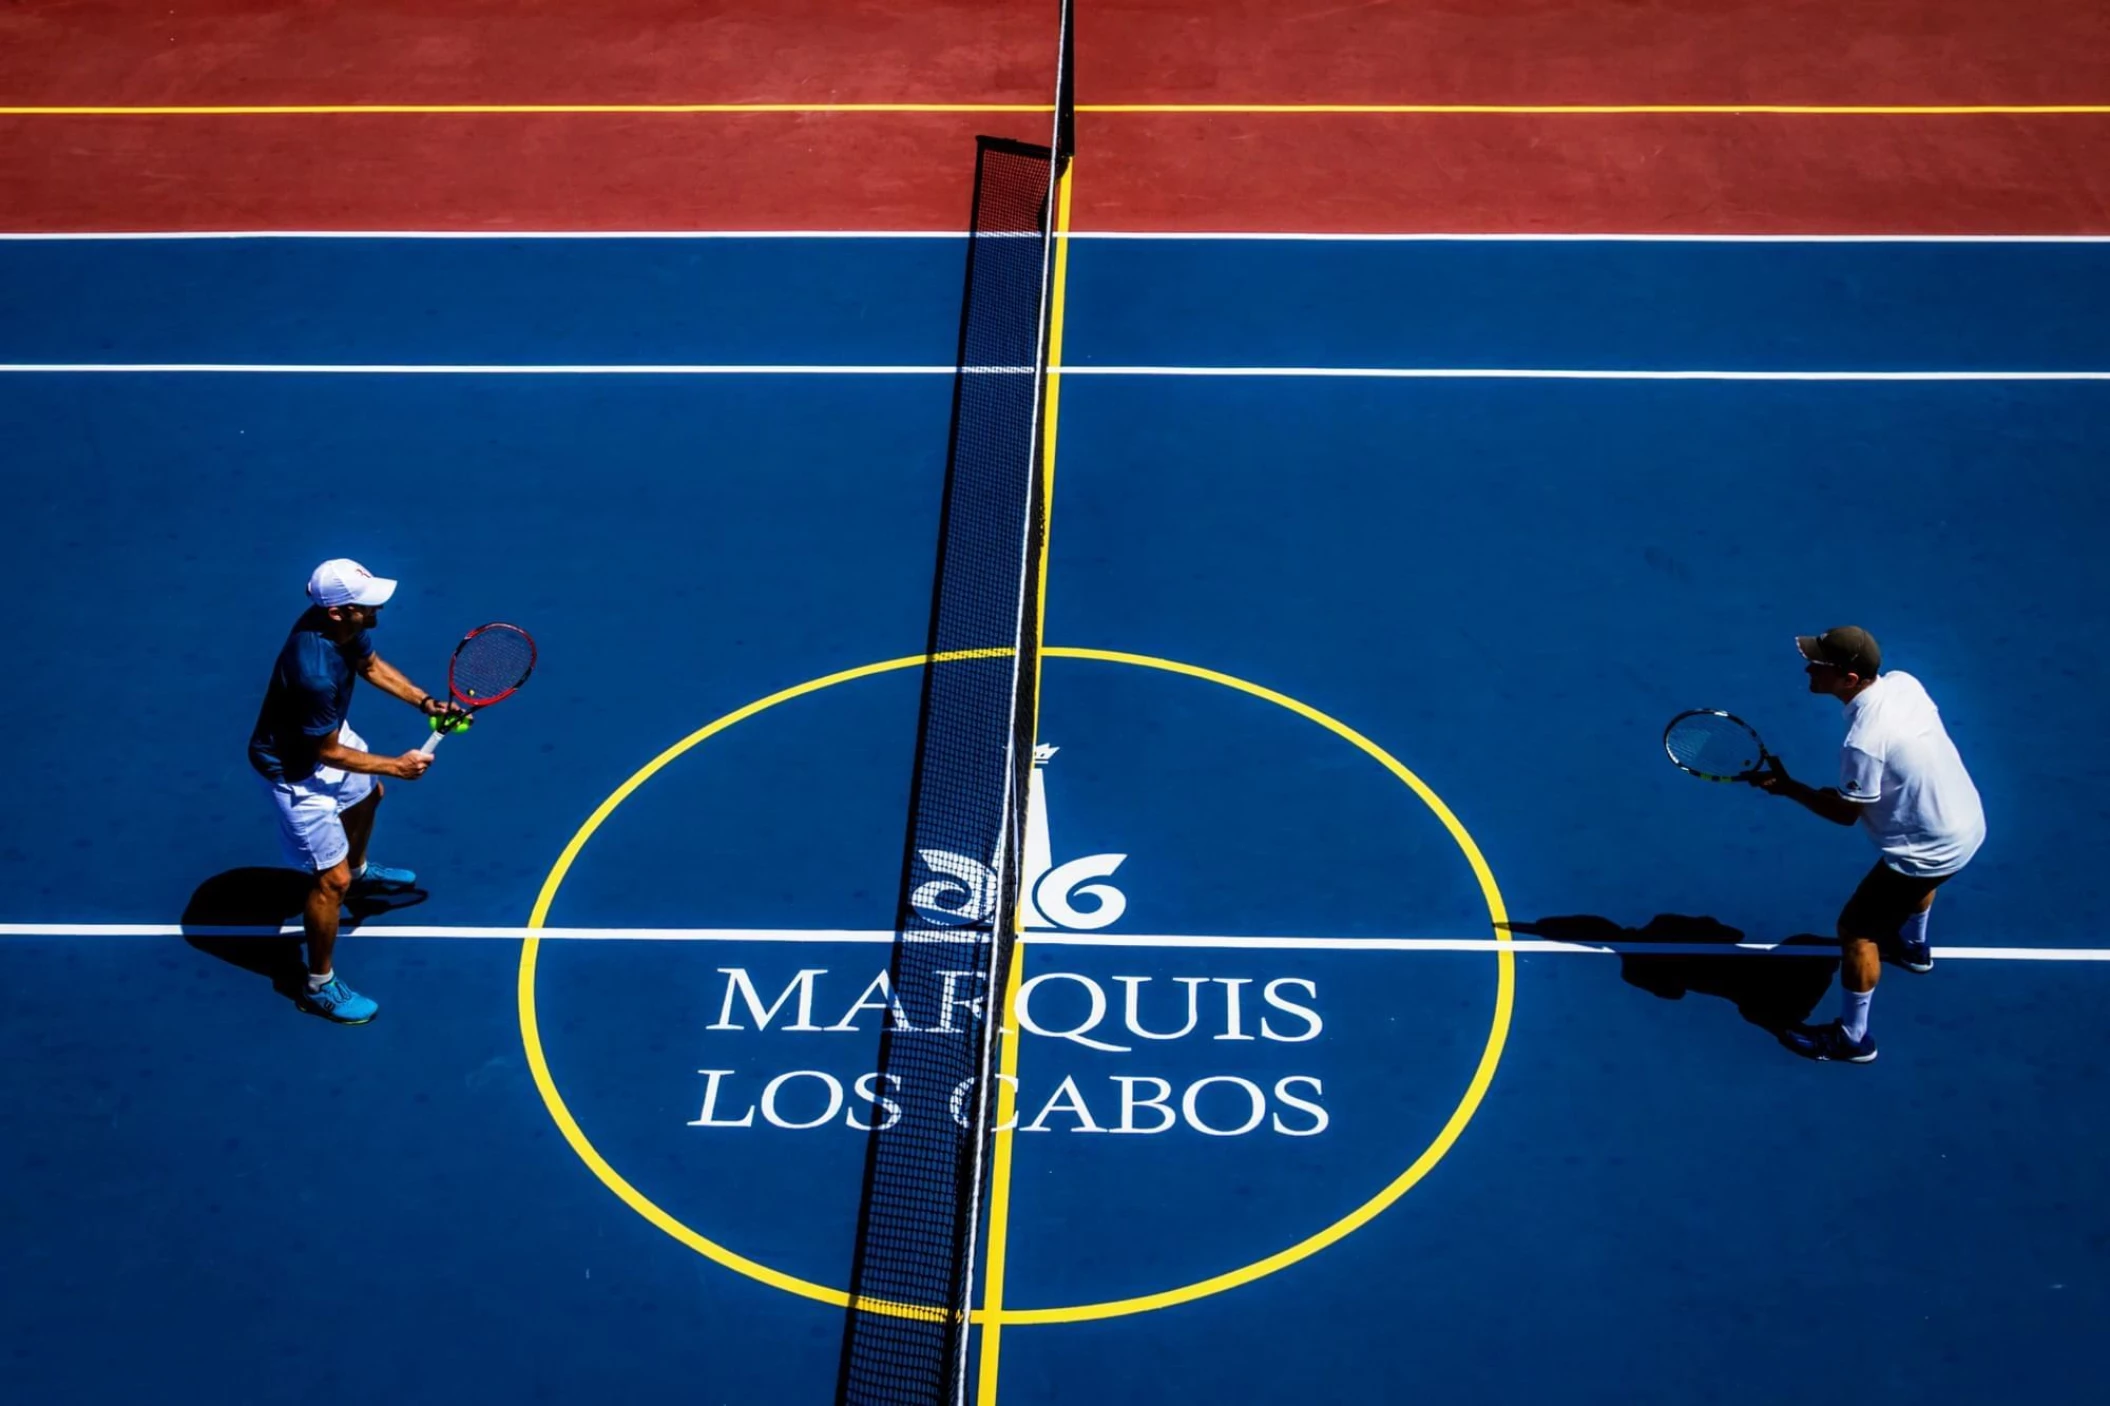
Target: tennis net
906,1341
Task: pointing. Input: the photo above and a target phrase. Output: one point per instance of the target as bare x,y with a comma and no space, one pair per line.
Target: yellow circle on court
1454,1126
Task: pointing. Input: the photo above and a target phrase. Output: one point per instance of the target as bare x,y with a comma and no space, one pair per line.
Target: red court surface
2021,167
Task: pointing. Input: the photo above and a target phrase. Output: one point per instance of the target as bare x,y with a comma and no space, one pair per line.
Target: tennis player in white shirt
1901,779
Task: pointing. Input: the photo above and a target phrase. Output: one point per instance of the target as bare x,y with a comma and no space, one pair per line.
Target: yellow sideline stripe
1007,1031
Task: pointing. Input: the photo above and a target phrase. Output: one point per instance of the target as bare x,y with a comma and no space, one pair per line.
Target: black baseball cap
1847,647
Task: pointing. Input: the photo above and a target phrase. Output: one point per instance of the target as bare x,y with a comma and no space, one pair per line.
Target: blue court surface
1376,1041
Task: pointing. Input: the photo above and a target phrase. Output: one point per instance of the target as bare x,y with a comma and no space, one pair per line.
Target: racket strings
491,663
1714,745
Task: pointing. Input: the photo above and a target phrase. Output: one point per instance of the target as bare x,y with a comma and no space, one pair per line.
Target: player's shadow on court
1771,991
236,917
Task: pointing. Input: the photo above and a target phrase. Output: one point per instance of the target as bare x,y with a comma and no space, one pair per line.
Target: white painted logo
964,890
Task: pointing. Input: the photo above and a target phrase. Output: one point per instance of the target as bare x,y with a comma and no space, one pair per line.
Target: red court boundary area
1695,174
1691,174
887,171
1505,172
216,52
1867,52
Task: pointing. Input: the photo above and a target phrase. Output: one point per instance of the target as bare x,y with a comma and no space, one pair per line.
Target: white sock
1853,1013
1915,927
318,980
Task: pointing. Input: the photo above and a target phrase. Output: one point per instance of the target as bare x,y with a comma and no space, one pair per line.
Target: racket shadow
236,918
1774,991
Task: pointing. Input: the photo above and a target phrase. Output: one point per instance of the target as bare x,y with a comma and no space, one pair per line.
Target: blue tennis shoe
338,1002
1830,1042
375,876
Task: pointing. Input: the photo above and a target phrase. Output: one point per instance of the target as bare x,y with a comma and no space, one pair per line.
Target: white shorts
310,829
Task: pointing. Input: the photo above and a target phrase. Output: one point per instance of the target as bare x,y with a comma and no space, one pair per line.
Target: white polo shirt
1917,802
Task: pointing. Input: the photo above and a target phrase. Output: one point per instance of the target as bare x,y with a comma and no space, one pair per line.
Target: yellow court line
1597,109
575,1137
1094,109
1476,1090
509,109
1050,413
530,1022
992,1316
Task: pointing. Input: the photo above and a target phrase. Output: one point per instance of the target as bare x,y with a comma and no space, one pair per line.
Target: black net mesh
907,1335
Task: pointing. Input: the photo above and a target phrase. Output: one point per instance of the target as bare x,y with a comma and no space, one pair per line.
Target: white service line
413,930
882,937
1492,373
1403,373
1532,945
266,368
1437,237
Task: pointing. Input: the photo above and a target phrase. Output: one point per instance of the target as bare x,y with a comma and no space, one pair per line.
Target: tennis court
1443,401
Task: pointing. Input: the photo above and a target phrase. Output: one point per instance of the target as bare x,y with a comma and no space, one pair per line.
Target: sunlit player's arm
1833,805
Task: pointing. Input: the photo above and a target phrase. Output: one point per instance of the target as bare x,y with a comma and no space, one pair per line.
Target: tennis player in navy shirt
322,780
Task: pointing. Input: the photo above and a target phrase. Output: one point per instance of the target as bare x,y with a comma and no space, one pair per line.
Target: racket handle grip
432,743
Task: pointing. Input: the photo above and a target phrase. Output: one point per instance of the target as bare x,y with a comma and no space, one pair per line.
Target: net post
1066,89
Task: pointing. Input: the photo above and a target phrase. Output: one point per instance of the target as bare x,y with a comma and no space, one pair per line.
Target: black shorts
1882,903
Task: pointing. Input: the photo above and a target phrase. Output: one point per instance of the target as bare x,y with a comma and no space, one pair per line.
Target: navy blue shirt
309,695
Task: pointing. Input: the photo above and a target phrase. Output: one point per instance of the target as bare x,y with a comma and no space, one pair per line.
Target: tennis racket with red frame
490,664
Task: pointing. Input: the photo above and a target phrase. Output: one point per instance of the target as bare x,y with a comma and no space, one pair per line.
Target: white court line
1176,236
882,937
1407,373
243,368
1490,373
1436,237
502,934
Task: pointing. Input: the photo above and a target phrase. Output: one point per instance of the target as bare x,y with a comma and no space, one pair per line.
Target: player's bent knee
335,881
1859,955
1863,922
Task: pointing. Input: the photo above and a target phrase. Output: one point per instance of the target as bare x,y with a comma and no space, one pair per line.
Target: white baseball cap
343,581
